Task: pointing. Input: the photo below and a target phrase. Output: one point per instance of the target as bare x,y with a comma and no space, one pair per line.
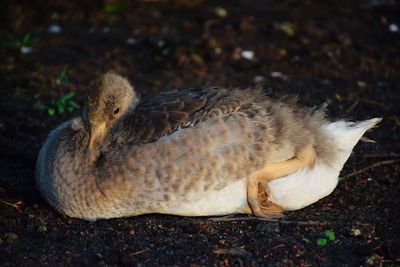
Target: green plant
28,40
60,105
12,41
341,179
113,7
63,77
329,236
321,242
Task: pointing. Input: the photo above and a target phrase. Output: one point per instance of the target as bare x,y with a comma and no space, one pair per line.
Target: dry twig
235,252
139,252
382,155
300,223
17,205
377,164
353,106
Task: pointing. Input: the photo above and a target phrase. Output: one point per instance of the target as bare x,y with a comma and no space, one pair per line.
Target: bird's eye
116,111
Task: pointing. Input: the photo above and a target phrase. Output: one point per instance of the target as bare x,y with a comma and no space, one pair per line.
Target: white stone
393,28
54,28
247,54
276,74
26,49
131,41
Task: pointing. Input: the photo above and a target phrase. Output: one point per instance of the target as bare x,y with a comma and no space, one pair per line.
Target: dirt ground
345,53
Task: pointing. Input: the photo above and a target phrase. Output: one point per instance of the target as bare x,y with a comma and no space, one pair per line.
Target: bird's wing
167,112
162,114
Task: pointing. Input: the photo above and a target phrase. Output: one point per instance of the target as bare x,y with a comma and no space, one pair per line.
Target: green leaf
60,109
60,105
341,179
330,235
73,104
306,240
26,41
114,8
321,242
68,96
51,111
64,74
60,102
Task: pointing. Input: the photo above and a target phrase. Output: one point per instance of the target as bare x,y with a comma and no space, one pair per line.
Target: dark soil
344,53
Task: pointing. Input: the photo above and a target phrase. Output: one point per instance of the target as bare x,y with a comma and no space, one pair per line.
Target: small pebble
286,27
26,49
279,75
355,232
393,28
259,79
361,84
11,238
42,229
131,41
221,12
54,28
247,54
160,43
55,16
276,74
375,260
237,53
218,50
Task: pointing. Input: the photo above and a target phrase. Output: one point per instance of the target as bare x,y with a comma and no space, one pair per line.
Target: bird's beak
97,134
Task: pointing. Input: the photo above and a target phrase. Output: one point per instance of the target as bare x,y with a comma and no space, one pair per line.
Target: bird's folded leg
258,199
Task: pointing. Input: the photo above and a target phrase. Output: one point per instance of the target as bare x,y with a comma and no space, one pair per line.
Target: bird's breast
229,199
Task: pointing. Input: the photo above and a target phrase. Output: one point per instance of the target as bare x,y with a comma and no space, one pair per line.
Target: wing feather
167,112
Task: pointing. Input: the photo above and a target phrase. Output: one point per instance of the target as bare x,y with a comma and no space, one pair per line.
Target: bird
207,151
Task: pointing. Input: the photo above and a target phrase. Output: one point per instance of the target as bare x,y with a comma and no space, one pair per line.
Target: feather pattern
185,152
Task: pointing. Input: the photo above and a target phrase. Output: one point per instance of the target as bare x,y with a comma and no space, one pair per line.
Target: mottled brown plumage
188,152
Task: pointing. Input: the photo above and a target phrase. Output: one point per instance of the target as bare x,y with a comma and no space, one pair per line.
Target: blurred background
344,53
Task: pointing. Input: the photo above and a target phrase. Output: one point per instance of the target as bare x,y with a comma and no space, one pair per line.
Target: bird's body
191,153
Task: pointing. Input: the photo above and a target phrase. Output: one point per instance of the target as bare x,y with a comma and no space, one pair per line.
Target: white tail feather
305,187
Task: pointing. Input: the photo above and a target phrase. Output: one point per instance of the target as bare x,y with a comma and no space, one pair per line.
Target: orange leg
271,171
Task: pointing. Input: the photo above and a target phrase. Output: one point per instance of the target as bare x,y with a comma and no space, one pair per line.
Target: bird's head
109,98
